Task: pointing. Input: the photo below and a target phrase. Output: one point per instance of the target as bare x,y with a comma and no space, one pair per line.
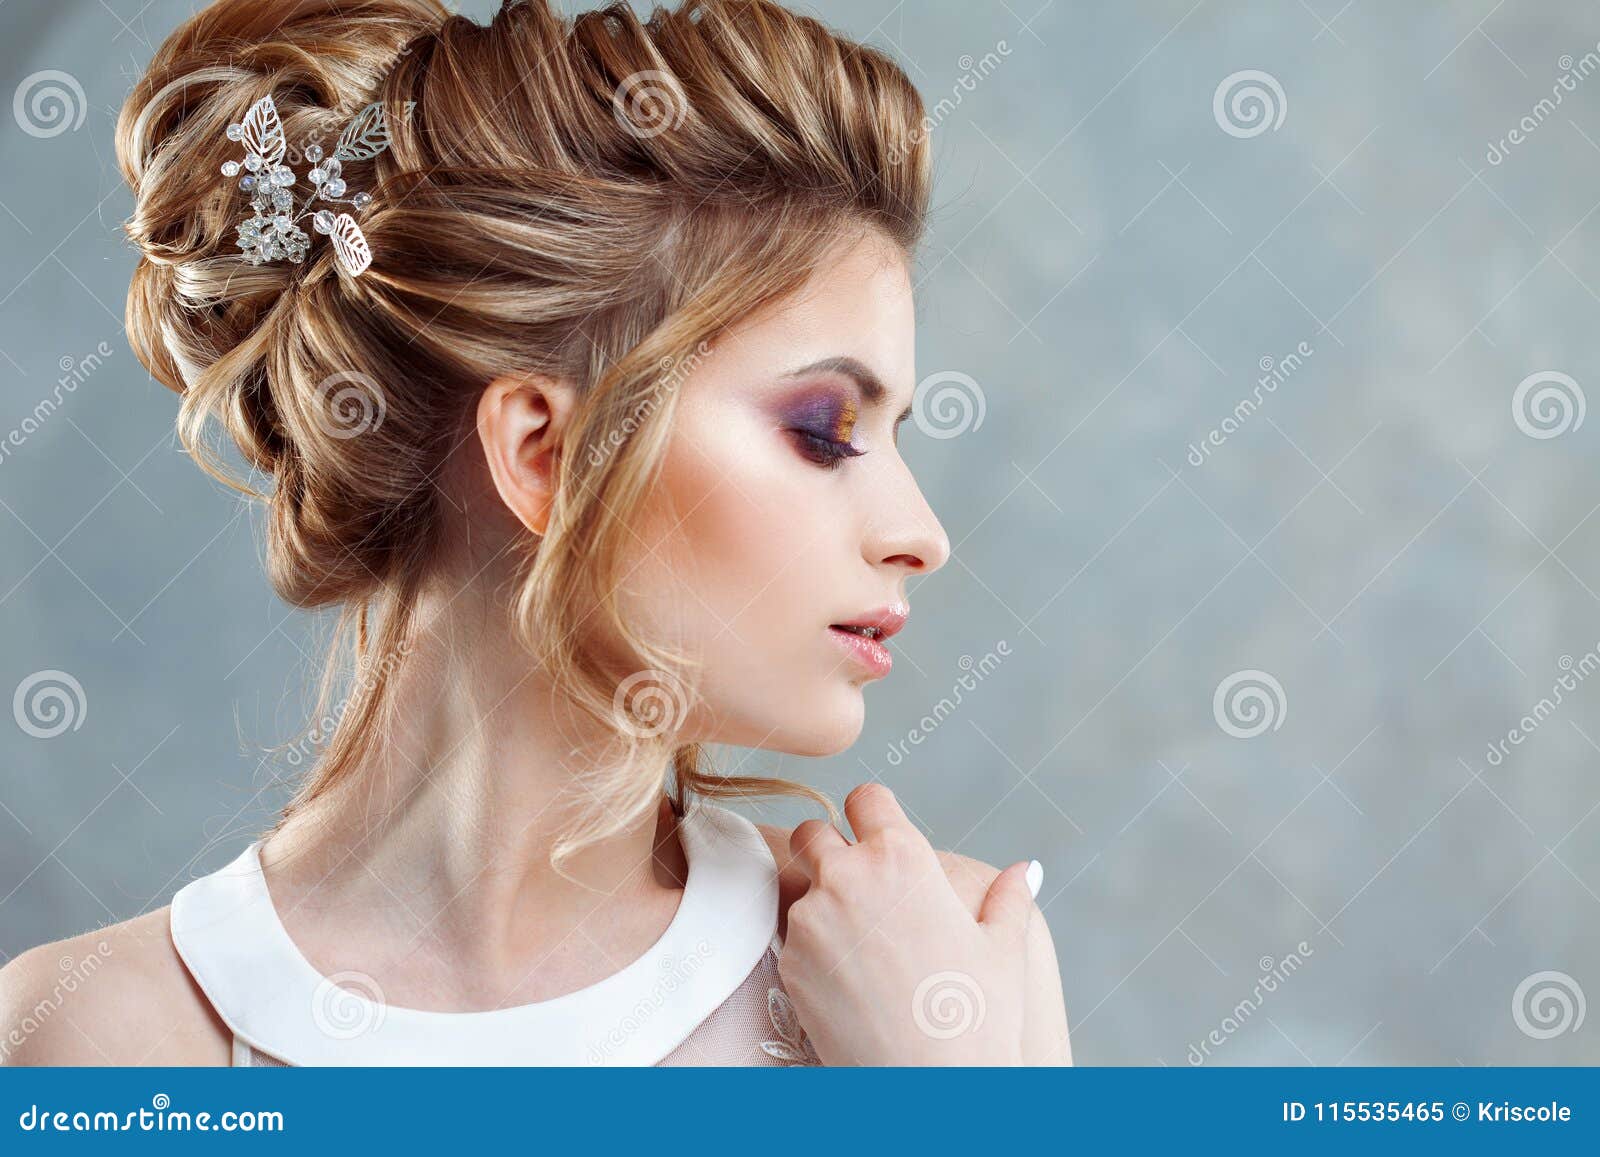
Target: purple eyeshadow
823,413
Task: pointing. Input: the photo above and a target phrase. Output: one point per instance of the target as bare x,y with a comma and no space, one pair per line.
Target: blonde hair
591,198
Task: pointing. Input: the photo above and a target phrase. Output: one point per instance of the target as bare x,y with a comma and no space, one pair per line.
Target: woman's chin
836,728
823,728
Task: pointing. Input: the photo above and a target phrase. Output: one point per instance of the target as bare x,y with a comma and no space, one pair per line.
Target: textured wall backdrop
1258,341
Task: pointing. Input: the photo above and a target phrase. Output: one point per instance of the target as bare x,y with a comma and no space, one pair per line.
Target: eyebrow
873,391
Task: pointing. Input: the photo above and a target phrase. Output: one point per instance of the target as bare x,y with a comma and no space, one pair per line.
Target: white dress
706,993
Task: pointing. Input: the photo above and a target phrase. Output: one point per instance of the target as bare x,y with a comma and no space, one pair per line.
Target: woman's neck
428,867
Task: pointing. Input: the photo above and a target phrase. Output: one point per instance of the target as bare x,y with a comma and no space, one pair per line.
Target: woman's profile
569,356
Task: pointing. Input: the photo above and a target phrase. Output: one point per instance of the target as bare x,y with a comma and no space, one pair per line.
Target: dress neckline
229,934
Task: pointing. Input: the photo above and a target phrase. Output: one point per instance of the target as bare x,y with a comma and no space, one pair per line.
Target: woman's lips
871,653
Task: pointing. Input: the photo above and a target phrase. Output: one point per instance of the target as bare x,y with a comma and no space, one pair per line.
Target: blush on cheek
726,530
744,518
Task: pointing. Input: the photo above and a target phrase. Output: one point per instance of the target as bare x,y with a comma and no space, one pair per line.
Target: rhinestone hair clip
273,233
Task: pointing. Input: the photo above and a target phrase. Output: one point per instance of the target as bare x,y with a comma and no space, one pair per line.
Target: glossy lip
889,620
871,652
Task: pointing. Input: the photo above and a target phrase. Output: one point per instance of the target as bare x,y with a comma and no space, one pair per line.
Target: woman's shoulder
970,878
120,995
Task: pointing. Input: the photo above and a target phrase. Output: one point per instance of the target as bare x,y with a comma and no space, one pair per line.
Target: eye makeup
822,422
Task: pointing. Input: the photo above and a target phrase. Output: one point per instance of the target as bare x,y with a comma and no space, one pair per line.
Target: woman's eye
825,452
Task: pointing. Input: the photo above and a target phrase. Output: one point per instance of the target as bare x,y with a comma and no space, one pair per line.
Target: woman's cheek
749,517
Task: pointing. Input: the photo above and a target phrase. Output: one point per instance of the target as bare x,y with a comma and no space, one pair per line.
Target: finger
872,809
1008,904
810,840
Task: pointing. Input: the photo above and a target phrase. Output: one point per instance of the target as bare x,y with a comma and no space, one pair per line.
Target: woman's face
785,508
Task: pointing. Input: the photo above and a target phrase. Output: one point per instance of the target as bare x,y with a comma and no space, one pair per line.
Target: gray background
1110,267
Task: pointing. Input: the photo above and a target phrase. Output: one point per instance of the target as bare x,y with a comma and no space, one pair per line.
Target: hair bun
318,59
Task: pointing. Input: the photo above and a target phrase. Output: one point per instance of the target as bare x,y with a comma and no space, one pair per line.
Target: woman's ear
522,421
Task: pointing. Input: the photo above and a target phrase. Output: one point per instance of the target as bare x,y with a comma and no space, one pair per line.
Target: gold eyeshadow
824,414
822,421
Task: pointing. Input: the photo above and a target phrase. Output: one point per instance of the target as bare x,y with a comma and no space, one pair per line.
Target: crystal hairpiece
274,234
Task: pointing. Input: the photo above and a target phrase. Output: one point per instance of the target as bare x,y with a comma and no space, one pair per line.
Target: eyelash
826,452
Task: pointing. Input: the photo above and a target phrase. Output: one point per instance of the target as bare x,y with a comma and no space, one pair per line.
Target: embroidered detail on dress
792,1047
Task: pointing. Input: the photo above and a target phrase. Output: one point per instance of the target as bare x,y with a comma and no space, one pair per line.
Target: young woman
584,408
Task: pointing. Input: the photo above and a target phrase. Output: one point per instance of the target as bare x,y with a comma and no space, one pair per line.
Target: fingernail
1035,877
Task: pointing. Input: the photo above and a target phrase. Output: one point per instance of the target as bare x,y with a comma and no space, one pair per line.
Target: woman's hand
885,962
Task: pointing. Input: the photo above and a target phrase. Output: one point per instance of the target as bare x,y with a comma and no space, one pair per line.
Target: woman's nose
910,535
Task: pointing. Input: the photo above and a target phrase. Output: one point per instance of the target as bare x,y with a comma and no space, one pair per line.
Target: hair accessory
274,234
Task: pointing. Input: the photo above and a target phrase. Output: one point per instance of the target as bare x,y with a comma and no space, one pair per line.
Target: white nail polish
1035,877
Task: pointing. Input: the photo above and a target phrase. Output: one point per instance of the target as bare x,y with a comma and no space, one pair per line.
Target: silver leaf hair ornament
274,233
